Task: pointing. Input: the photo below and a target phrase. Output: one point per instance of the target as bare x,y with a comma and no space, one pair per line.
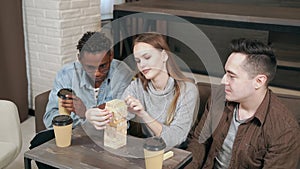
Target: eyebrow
228,71
143,55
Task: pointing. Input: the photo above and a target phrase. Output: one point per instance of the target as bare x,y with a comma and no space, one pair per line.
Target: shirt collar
261,111
169,87
111,71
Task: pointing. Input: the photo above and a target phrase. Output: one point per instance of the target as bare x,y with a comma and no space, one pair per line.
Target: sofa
41,100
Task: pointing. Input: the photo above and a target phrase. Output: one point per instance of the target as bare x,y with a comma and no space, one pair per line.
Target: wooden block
168,155
116,130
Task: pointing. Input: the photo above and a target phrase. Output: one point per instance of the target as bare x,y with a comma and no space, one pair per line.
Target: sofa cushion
7,153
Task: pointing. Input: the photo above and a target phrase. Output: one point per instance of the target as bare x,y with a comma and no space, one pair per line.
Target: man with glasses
95,79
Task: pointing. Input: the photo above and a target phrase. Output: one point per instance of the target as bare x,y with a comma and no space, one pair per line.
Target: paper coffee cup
62,96
62,125
154,151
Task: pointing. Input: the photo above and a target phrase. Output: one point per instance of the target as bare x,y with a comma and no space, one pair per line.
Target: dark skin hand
74,104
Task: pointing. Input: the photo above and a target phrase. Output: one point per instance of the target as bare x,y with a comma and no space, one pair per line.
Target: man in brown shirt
252,128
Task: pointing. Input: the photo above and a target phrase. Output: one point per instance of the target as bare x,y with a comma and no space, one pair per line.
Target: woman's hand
135,106
98,117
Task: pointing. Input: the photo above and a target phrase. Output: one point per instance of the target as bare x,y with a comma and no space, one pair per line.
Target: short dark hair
93,42
260,57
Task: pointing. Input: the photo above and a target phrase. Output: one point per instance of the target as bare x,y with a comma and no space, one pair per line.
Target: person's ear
260,80
79,56
164,55
111,55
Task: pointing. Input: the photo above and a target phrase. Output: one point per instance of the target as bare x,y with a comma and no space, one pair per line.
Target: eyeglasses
103,68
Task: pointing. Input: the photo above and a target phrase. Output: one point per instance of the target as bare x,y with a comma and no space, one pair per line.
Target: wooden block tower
116,131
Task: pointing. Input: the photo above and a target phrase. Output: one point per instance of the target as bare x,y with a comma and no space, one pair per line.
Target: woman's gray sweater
156,104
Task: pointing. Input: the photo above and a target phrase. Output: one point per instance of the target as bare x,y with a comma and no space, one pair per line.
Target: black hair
260,57
93,42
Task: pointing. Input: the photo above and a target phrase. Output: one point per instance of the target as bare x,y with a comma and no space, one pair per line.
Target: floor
28,132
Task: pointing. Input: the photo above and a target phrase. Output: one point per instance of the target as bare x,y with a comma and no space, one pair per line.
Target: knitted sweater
156,104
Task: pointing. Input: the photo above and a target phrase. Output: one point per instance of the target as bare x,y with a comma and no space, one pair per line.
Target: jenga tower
116,131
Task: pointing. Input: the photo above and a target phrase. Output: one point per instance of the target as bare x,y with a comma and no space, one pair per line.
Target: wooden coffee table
86,153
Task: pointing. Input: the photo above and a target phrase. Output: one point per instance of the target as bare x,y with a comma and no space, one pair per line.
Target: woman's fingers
132,102
137,108
134,106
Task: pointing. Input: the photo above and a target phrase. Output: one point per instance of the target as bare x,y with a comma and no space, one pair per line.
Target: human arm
135,107
98,117
74,104
52,105
200,140
63,79
186,109
176,132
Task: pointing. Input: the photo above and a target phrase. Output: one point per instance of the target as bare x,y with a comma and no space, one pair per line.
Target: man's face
238,85
96,65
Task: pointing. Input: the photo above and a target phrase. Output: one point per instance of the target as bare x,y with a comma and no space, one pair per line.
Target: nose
224,79
142,63
97,73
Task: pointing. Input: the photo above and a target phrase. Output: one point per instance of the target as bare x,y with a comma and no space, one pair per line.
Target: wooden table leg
27,163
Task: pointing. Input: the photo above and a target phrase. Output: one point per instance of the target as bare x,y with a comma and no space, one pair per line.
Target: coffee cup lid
154,144
62,120
65,91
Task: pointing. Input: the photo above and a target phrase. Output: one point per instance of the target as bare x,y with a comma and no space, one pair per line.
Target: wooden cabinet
276,23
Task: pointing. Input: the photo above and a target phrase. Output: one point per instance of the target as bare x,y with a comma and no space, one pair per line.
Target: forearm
48,116
200,141
52,105
198,147
198,151
154,125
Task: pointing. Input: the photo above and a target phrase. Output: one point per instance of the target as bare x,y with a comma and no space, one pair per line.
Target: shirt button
223,135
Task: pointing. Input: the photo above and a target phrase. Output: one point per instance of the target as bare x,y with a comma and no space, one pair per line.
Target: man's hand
74,104
98,117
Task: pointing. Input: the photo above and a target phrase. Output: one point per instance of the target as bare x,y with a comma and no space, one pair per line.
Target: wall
220,38
285,45
52,29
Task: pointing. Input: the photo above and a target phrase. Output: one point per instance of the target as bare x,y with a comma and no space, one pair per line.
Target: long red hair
158,41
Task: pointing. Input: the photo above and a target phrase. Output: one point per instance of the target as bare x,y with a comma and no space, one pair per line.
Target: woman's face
150,61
